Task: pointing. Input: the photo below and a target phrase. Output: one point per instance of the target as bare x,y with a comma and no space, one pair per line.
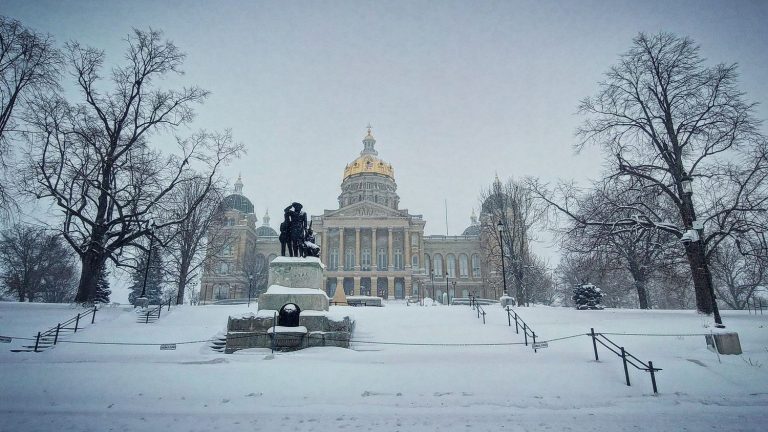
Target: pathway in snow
389,387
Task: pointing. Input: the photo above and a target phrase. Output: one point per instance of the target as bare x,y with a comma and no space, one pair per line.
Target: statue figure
284,236
309,247
296,228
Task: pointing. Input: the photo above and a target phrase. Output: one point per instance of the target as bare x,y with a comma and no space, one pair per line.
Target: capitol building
369,244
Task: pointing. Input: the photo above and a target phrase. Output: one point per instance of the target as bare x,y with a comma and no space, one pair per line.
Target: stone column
323,246
390,287
341,249
357,249
390,264
374,251
374,286
356,290
408,286
407,248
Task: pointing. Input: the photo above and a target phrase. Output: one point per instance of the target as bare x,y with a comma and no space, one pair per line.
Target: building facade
370,246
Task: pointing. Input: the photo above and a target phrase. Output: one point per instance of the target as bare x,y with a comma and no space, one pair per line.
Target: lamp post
500,228
686,185
143,300
250,288
432,276
447,292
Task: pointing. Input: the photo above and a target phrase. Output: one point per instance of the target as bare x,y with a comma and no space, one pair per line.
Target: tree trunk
702,282
182,285
641,283
89,276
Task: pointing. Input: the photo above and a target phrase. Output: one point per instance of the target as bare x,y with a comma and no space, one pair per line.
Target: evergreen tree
102,286
587,296
154,277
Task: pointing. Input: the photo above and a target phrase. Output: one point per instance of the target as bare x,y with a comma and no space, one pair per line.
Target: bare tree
29,63
94,160
197,206
738,276
36,265
664,118
638,249
513,205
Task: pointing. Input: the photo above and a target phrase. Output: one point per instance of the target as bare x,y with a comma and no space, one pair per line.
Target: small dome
472,230
266,231
237,202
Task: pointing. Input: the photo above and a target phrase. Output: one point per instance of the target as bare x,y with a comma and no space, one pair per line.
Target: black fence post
93,314
478,311
653,376
146,316
77,322
37,341
483,317
517,327
56,338
159,309
533,334
594,343
525,333
169,303
274,331
509,318
624,359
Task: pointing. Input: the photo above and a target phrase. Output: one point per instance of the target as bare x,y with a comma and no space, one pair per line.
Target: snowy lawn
385,387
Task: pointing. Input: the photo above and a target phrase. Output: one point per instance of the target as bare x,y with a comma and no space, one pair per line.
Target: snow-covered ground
380,385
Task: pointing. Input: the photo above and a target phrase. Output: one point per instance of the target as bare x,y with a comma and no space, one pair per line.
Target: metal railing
154,312
475,305
527,331
626,357
54,331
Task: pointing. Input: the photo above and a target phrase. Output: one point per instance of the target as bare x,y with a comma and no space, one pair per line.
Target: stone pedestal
506,301
725,343
295,280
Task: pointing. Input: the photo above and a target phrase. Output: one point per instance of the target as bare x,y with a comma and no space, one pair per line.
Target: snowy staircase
150,315
49,338
218,343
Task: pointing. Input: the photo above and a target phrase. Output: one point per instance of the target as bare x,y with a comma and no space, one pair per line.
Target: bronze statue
284,236
297,226
309,247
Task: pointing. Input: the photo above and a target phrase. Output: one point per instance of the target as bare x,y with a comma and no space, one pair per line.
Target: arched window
349,259
463,266
450,261
427,264
365,259
398,256
438,267
476,265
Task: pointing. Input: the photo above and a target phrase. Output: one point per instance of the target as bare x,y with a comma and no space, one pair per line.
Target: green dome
237,202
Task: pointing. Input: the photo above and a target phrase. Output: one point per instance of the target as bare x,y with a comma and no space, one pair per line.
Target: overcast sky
455,91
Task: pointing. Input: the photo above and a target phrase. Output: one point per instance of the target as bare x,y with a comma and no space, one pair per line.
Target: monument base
305,298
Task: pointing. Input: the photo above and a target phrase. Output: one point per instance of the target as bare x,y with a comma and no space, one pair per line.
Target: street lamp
143,300
432,276
695,233
447,292
250,288
500,227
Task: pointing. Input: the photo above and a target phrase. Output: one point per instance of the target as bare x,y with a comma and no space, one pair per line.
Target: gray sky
455,91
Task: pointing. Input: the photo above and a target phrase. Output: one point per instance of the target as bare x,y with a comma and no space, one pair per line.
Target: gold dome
368,164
